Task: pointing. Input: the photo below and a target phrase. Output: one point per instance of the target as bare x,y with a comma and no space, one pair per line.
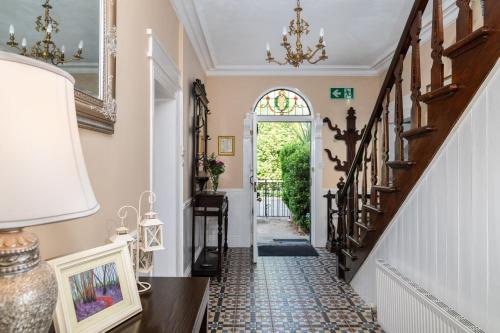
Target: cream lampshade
43,179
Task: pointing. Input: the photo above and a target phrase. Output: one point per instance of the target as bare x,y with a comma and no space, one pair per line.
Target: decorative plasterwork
196,30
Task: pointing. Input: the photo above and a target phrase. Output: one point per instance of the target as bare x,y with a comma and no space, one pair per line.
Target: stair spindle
489,8
349,217
364,186
416,81
374,165
385,139
398,111
437,70
355,208
464,19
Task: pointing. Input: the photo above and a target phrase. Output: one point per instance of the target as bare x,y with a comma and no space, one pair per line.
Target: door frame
166,118
316,170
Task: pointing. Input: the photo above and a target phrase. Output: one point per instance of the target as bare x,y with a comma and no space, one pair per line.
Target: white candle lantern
152,233
145,262
122,235
149,238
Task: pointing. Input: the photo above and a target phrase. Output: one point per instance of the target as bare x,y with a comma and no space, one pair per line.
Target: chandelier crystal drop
44,49
299,27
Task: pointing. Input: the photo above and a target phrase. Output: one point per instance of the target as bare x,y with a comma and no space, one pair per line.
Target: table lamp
43,179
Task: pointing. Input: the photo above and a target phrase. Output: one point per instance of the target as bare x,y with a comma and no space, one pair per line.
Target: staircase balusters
355,207
374,166
364,187
464,19
490,6
378,200
349,217
398,111
416,81
437,70
385,139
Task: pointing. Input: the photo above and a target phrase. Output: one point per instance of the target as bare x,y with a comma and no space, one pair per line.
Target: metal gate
270,198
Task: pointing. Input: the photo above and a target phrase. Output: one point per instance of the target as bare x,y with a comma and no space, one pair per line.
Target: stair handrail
401,49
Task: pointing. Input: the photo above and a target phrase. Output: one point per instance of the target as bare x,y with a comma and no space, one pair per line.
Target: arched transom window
282,102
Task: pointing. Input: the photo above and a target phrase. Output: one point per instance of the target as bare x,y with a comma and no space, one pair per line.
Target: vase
215,183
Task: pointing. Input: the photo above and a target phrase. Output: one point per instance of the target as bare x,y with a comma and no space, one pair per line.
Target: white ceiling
78,20
230,35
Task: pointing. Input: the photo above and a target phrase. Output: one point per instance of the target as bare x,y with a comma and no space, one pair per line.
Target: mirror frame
94,113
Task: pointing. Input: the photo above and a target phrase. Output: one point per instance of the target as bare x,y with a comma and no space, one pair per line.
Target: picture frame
97,289
226,145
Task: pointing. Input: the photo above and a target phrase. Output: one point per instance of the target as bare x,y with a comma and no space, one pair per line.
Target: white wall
446,236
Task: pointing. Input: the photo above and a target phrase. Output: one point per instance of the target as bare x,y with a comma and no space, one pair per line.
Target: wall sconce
149,238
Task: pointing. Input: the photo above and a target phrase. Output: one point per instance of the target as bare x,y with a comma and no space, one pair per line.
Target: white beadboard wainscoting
240,225
446,235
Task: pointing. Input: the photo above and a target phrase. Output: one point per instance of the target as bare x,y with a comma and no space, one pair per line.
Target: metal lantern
145,262
123,236
151,233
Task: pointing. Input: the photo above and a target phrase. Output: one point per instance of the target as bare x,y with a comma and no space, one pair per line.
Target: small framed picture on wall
226,145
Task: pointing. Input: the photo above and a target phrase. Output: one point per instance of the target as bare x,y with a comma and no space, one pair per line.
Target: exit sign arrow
342,93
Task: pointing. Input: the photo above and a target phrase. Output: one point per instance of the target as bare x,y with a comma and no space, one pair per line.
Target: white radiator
404,307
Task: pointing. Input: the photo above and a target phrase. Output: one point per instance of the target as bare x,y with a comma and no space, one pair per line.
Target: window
282,102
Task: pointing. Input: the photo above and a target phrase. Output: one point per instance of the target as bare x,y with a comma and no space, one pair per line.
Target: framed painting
226,145
97,289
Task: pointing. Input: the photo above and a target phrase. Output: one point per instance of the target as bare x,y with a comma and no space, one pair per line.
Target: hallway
285,294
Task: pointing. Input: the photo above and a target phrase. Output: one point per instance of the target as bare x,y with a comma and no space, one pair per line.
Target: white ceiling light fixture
299,27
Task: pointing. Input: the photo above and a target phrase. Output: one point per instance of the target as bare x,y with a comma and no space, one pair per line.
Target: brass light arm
44,49
297,28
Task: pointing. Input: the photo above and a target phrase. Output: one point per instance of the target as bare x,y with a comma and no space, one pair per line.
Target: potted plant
214,168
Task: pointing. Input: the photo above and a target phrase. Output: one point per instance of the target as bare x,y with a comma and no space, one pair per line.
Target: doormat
290,250
300,240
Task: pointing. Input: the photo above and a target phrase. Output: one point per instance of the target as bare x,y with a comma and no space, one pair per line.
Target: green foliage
271,139
295,164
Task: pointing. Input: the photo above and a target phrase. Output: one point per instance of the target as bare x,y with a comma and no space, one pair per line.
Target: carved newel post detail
350,136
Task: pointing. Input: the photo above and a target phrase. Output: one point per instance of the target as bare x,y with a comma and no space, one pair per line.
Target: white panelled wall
446,236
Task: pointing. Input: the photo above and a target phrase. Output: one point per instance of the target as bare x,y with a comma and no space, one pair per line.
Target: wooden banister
401,49
364,206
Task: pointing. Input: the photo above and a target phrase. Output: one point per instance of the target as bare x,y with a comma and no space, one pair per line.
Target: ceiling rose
299,27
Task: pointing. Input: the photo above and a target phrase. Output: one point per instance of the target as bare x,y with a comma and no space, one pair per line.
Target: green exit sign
342,93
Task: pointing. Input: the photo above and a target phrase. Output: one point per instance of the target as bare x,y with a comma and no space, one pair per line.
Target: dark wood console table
209,204
174,305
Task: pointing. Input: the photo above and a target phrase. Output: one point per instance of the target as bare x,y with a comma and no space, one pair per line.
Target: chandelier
299,27
44,49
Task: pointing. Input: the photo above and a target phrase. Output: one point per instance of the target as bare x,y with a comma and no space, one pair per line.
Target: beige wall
118,164
232,97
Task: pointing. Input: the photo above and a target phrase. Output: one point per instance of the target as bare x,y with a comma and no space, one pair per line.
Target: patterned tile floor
285,294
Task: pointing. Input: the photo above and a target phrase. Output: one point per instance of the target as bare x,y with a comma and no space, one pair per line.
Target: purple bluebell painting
95,290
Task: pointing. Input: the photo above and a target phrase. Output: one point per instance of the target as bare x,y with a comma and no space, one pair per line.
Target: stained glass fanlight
282,102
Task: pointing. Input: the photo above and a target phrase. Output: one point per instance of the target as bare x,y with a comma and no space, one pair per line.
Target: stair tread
418,132
351,256
438,94
372,208
364,226
400,164
472,40
387,189
344,267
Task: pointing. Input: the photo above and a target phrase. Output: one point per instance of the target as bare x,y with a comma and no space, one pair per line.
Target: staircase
376,186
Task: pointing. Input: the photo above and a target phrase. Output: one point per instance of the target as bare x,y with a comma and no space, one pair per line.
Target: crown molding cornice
196,30
271,70
188,15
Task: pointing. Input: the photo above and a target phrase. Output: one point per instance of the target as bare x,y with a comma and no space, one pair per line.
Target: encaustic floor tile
285,294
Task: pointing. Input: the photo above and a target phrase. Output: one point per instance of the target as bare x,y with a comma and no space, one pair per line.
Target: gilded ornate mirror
82,41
